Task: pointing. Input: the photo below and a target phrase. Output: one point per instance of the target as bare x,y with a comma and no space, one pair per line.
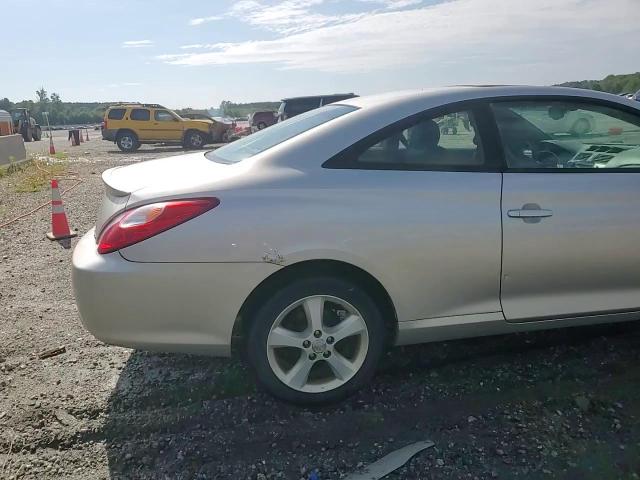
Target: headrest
424,136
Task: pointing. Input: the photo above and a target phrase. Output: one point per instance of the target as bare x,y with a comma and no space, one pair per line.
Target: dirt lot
562,404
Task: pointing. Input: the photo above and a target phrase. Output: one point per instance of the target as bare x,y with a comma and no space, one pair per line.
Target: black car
290,107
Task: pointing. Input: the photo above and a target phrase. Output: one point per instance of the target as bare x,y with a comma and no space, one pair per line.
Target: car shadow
181,416
160,149
167,148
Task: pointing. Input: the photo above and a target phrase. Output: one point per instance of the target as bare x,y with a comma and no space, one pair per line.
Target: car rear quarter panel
431,238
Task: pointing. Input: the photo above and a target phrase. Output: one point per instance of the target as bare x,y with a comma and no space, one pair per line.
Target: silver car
317,243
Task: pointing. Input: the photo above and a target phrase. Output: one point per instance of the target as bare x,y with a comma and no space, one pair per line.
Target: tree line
628,83
60,113
233,110
71,113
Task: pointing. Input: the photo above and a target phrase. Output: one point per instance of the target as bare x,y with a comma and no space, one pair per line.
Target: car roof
373,113
429,97
318,96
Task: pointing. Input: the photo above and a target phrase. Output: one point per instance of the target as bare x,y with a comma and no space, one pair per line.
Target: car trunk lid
157,178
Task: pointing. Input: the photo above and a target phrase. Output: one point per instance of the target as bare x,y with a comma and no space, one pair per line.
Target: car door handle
523,213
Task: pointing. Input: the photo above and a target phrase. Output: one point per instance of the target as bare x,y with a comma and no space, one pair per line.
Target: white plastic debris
393,461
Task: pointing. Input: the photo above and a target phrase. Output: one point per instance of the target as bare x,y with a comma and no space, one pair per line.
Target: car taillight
104,124
138,224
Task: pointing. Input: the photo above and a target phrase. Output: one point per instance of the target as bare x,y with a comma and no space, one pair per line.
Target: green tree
6,104
627,83
43,97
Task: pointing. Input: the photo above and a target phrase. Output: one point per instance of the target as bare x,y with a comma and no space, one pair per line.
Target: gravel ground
561,404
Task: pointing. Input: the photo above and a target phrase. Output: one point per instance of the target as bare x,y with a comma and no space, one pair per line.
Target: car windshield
272,136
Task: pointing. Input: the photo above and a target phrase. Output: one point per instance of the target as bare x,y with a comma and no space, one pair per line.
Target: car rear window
276,134
335,98
116,113
301,105
140,114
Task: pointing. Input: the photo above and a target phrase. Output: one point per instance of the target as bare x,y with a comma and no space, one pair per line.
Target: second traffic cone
52,149
87,138
59,225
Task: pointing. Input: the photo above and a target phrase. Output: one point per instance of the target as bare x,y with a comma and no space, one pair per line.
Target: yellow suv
131,125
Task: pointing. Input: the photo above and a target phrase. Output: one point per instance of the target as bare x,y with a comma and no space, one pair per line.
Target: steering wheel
547,158
529,154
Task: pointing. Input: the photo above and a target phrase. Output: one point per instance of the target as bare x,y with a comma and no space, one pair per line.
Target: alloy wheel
317,344
196,140
126,142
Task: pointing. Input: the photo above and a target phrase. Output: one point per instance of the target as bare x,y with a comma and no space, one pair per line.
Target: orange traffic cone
59,225
80,139
52,149
87,132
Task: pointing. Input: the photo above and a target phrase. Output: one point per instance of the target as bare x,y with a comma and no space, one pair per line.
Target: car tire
127,141
580,127
194,140
321,377
37,134
262,125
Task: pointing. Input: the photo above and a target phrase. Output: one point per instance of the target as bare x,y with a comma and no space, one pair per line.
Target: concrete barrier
12,149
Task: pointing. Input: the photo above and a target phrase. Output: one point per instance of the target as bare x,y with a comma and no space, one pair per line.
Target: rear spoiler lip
111,189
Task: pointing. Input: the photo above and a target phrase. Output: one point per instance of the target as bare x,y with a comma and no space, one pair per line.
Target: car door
431,201
141,123
166,126
570,209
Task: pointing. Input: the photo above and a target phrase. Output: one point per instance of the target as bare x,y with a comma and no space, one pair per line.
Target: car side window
567,135
140,114
163,116
444,142
116,114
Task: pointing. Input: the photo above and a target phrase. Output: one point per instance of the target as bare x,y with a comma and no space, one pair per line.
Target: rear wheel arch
127,131
307,269
124,132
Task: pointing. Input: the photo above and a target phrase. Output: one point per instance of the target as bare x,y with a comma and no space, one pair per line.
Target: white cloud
394,4
470,33
294,16
286,17
199,46
137,44
201,20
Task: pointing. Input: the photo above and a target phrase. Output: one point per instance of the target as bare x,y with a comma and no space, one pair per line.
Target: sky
197,53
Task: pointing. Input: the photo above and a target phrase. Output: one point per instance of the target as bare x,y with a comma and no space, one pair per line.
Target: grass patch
36,174
10,169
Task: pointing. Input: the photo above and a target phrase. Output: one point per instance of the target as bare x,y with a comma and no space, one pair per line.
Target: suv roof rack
137,104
